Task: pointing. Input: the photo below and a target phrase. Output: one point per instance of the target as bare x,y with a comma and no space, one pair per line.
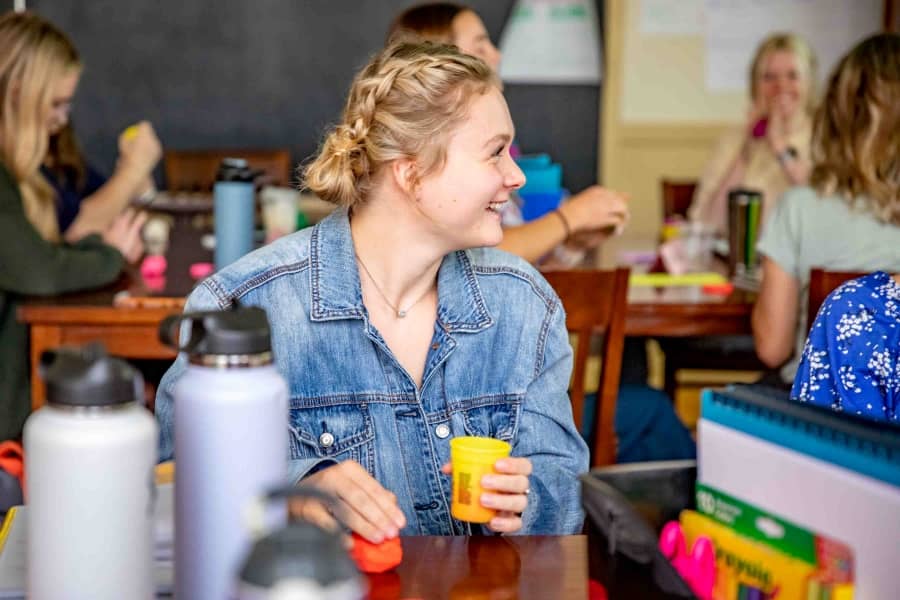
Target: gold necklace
398,311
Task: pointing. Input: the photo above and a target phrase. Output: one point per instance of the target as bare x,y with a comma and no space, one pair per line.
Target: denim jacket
498,366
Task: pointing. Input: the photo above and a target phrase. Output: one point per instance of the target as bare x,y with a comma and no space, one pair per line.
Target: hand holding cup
489,486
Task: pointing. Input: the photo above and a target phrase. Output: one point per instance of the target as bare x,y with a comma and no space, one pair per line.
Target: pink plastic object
201,270
155,283
759,128
154,266
698,568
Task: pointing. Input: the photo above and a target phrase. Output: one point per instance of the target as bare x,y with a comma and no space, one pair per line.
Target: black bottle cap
89,377
739,193
298,551
239,331
236,169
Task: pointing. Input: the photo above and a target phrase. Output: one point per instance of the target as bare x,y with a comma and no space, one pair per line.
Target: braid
401,105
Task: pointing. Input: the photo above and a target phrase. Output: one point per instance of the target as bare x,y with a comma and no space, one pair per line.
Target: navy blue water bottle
233,204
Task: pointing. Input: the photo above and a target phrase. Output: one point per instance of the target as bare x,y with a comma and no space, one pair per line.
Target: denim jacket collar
336,291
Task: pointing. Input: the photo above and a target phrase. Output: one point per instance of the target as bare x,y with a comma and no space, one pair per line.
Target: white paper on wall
551,42
671,17
734,28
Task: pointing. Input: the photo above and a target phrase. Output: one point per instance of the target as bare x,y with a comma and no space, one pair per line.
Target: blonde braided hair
403,104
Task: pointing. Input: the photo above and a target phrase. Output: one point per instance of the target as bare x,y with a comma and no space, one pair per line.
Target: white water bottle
231,443
89,455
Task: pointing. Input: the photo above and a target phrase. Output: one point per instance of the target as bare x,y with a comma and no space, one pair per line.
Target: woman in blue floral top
851,361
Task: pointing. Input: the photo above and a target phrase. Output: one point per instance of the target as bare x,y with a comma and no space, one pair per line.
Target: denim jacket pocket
336,431
495,416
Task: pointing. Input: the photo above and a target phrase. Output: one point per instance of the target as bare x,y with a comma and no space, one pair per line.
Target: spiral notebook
824,471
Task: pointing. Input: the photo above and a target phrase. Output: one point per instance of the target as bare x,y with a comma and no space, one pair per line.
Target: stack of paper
14,539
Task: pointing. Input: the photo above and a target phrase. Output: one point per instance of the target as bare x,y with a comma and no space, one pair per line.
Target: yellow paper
7,525
668,280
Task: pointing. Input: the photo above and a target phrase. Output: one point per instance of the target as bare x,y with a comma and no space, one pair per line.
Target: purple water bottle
231,442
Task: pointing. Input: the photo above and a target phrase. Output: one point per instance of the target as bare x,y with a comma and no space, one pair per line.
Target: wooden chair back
822,283
677,197
595,303
195,170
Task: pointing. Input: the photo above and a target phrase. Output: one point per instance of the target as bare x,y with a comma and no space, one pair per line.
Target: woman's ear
405,174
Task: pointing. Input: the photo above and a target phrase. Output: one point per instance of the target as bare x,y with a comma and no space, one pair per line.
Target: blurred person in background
39,69
769,152
646,425
558,239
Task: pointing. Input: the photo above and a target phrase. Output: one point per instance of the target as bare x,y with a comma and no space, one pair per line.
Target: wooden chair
195,170
595,302
677,197
822,283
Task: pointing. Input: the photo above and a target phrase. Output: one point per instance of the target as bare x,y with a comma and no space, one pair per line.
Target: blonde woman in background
770,151
562,237
849,217
39,68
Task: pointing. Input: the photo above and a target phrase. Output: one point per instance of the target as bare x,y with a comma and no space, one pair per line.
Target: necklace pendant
401,314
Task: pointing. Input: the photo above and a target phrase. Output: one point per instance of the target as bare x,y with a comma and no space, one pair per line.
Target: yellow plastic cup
473,457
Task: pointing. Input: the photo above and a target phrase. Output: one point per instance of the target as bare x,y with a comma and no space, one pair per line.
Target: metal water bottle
300,561
89,455
231,442
233,211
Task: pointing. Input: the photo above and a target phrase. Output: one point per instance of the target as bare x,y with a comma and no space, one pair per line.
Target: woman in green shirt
39,70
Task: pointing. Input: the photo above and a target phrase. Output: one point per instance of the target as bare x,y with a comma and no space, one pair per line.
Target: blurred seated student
39,67
646,425
851,361
560,238
448,336
849,218
770,151
87,202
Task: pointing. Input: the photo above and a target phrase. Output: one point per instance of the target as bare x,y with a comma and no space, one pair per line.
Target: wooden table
129,328
521,567
686,312
76,319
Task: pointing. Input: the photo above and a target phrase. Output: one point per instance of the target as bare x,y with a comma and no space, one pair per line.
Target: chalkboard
269,73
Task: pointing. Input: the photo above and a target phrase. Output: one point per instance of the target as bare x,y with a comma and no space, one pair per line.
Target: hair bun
401,105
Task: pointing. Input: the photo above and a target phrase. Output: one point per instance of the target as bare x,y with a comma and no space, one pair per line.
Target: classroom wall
657,119
269,73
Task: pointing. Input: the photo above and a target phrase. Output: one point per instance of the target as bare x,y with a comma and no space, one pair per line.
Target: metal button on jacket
442,430
326,439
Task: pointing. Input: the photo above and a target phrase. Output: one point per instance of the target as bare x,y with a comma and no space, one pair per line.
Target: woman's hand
124,234
507,492
362,504
595,208
140,151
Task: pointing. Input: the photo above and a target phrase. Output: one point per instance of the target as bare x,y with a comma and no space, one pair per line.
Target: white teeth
496,206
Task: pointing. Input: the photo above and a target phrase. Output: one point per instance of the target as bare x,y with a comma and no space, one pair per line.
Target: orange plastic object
718,289
12,460
376,558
